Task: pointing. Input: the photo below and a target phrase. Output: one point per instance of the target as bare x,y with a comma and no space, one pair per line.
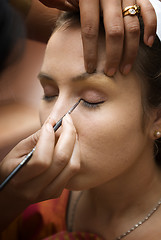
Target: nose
57,113
59,109
68,110
59,122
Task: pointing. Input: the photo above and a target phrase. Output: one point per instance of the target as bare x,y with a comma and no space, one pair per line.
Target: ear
155,130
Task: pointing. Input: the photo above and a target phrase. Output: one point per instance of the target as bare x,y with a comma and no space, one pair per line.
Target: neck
116,206
136,192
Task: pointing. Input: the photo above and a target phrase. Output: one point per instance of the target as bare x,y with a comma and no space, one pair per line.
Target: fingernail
151,41
90,68
111,72
126,69
49,127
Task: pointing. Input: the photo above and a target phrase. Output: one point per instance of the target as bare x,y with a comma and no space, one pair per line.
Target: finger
62,155
89,14
150,21
17,154
131,40
59,4
65,145
75,3
113,22
64,179
25,146
70,6
42,157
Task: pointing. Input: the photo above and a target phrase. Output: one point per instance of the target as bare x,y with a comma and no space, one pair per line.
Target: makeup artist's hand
54,162
122,33
64,5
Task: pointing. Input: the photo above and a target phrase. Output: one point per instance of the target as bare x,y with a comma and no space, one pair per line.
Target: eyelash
85,103
48,98
91,105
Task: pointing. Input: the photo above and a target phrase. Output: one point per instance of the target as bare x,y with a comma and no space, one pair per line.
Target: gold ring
131,10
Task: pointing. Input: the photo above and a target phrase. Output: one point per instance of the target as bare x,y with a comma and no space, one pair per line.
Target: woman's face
109,120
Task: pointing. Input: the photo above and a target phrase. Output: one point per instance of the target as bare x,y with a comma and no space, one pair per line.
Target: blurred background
20,90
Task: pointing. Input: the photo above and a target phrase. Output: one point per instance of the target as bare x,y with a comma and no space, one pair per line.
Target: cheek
109,147
108,142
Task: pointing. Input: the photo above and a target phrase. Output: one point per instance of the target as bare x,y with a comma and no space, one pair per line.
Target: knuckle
21,143
35,137
89,31
115,31
133,28
29,196
74,168
62,159
44,165
149,9
41,164
151,20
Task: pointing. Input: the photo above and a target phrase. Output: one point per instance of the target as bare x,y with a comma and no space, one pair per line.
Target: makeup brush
29,155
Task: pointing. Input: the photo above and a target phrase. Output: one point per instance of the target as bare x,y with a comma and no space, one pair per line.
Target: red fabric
44,221
73,236
39,220
44,218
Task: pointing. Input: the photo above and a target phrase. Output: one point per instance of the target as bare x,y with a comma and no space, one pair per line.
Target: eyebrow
83,76
42,75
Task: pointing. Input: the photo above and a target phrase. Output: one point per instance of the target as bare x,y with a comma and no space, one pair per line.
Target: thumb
13,158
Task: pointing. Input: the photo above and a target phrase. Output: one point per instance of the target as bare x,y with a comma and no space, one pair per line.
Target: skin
117,166
119,160
122,34
61,4
108,124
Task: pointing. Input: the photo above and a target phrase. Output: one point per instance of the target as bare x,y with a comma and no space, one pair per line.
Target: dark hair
147,67
11,30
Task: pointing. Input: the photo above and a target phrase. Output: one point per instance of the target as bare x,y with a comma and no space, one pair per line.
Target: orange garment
39,220
45,220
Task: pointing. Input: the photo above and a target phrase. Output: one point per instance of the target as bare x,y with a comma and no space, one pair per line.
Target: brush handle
19,166
28,157
58,124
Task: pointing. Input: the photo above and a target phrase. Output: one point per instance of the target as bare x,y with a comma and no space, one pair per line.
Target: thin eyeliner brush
29,155
59,123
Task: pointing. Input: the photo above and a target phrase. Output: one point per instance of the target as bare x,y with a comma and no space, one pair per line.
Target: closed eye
49,98
91,104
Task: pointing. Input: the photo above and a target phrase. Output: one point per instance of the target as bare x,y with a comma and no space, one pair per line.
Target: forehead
64,52
64,61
